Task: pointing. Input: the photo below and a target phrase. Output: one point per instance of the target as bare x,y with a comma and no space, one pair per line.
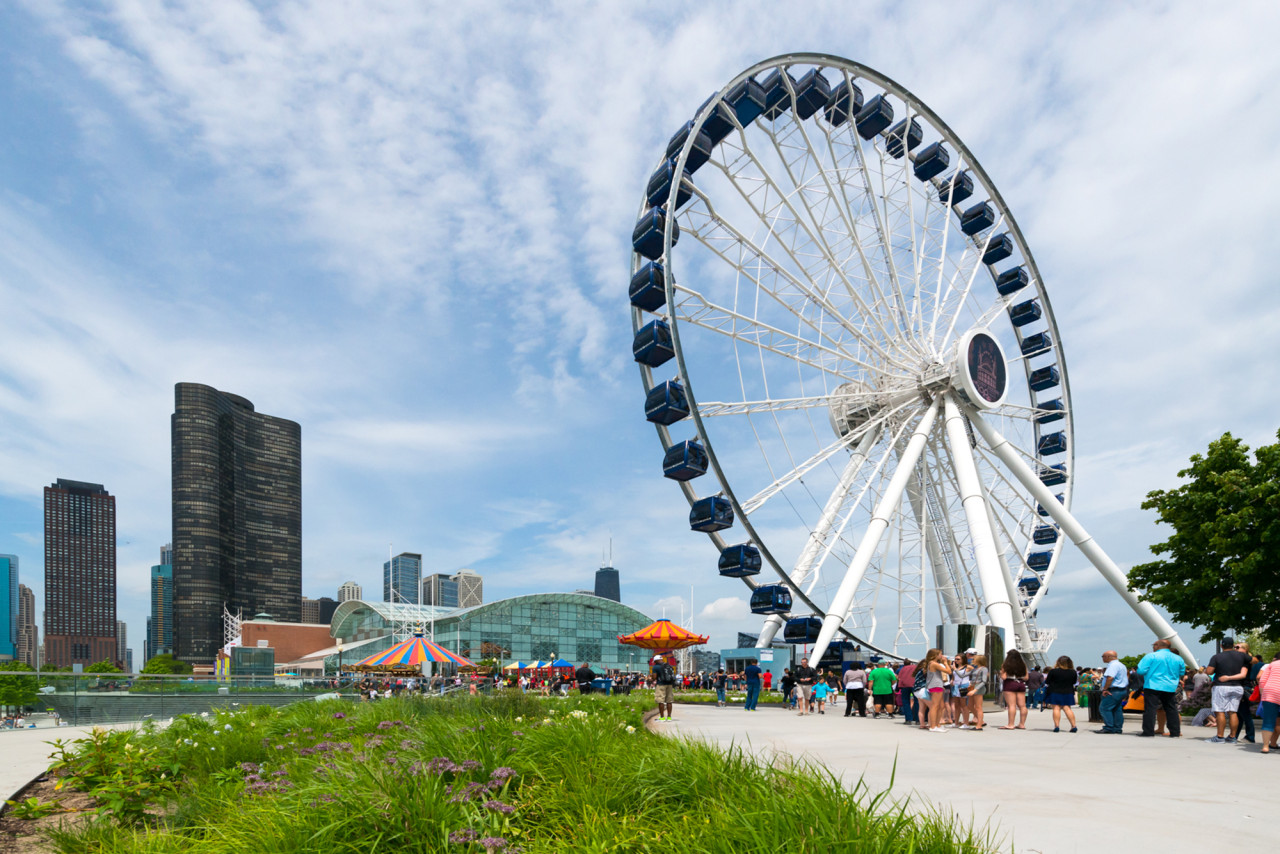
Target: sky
406,227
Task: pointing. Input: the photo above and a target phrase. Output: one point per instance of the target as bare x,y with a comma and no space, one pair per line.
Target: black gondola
666,403
903,137
699,154
719,120
659,187
1024,313
1012,280
711,514
1043,379
978,218
999,248
740,561
1052,443
875,116
845,101
1054,475
684,460
747,101
1039,560
1038,343
955,188
812,93
648,290
1051,411
777,97
646,237
931,161
652,345
1029,586
802,630
770,599
1045,535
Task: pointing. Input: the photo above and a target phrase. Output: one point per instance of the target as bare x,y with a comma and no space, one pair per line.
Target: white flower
204,714
518,720
186,741
227,727
195,744
631,729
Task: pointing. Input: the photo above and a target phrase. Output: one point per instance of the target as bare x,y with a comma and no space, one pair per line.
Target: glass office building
541,626
401,577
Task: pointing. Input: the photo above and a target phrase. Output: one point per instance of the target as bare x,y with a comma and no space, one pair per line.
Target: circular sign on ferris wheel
983,375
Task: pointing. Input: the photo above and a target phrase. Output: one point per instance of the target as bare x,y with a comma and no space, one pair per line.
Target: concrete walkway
27,753
1043,791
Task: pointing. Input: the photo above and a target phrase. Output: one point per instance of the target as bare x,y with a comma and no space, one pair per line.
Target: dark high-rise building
401,577
440,590
28,630
237,517
327,607
9,622
79,573
607,584
318,610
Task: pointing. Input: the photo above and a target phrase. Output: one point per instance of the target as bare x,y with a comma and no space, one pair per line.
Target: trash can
1095,705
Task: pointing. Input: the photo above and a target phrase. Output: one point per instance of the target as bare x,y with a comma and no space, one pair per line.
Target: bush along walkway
468,774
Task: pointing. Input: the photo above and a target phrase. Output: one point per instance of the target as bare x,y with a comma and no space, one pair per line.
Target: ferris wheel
853,366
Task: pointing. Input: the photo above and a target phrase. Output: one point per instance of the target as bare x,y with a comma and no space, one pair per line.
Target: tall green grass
578,780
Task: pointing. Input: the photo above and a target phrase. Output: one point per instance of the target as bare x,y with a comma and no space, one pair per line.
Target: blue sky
407,230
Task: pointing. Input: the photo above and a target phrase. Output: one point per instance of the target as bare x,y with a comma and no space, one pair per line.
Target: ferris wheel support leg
977,514
769,630
889,501
942,581
813,547
1078,535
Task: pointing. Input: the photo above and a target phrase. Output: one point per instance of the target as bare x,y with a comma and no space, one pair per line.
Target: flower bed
466,774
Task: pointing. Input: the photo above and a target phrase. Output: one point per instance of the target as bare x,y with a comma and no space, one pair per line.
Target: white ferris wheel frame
951,445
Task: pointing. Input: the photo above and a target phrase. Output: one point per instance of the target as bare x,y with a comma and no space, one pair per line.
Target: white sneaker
937,729
965,726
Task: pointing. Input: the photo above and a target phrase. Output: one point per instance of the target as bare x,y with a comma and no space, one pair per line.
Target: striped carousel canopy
414,651
663,634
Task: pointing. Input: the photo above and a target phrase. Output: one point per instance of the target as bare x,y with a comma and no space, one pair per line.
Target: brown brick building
79,574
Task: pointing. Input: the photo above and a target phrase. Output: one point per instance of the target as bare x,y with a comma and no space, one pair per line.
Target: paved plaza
1048,792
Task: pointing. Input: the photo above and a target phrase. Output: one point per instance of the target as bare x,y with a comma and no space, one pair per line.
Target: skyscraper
607,584
440,590
79,573
8,607
470,588
327,607
160,625
310,610
237,516
350,590
400,578
122,643
28,630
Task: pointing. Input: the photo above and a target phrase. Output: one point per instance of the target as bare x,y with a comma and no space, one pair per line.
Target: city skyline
436,291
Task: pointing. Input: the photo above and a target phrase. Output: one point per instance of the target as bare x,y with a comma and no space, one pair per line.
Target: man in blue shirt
1161,673
1115,690
752,672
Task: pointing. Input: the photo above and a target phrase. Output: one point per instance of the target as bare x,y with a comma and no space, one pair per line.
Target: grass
510,772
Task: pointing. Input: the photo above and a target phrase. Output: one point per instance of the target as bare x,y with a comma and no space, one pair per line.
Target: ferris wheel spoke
930,521
758,500
739,239
968,287
699,311
714,409
839,496
941,481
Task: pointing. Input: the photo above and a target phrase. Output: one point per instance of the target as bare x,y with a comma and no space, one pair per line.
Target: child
820,695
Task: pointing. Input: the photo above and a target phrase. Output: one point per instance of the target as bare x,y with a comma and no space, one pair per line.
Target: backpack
922,678
663,674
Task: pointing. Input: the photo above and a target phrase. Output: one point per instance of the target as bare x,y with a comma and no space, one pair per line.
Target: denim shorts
1268,711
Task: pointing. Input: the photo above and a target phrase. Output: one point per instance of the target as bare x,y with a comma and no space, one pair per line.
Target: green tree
16,691
1130,661
1219,570
103,667
165,664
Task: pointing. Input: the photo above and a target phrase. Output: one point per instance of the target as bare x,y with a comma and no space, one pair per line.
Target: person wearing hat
664,682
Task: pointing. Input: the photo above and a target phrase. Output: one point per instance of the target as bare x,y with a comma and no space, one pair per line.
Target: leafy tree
1266,648
1219,573
16,691
1130,661
103,667
165,664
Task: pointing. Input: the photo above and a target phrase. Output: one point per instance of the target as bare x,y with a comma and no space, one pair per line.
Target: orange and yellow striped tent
663,634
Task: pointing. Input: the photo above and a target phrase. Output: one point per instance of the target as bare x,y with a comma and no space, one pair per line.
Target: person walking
1161,673
805,676
1269,702
788,686
1245,712
906,696
1115,691
721,682
664,687
855,690
1229,669
1013,675
820,691
882,679
936,672
584,676
752,674
1035,688
978,678
1060,691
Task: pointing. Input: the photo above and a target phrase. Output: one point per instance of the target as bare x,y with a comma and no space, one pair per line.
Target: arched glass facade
543,626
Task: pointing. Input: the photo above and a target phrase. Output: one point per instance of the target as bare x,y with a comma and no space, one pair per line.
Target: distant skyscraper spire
607,578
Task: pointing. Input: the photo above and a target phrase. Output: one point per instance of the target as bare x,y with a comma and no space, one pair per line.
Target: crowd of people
940,693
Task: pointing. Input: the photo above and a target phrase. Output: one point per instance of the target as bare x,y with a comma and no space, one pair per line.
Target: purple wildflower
471,765
338,716
499,806
385,724
441,765
462,837
503,773
517,733
493,843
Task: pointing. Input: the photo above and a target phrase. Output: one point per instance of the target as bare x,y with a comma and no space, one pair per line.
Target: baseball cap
971,651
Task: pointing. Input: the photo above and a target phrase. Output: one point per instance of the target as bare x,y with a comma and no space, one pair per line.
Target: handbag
1256,695
921,693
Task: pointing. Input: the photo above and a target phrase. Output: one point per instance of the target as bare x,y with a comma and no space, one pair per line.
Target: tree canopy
165,663
16,690
1218,570
103,667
